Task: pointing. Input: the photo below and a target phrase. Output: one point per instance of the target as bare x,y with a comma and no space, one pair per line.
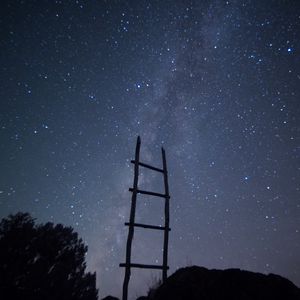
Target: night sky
216,83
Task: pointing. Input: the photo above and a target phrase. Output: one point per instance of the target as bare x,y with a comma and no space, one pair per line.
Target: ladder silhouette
131,224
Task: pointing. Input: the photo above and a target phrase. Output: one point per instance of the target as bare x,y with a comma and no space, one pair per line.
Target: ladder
131,224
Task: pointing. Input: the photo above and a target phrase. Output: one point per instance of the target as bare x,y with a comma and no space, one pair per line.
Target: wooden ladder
131,224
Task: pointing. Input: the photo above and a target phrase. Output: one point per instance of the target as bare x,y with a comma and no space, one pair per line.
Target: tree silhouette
44,261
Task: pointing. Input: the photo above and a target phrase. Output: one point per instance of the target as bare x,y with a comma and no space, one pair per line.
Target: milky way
216,83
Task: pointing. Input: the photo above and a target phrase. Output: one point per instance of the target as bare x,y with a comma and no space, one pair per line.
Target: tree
43,261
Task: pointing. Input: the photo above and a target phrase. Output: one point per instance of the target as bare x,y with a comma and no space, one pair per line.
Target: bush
44,261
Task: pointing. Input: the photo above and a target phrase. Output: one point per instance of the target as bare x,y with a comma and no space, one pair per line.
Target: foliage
43,261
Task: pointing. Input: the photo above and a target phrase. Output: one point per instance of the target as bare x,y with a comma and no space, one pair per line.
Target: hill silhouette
199,283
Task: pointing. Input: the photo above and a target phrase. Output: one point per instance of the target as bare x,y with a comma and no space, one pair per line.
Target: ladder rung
147,226
148,166
150,193
144,266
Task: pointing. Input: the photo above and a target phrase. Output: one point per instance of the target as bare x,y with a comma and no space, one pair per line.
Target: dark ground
199,283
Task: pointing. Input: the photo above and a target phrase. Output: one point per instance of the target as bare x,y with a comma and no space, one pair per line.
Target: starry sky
216,83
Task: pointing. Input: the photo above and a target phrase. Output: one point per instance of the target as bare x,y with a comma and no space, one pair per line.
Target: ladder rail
132,218
167,216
